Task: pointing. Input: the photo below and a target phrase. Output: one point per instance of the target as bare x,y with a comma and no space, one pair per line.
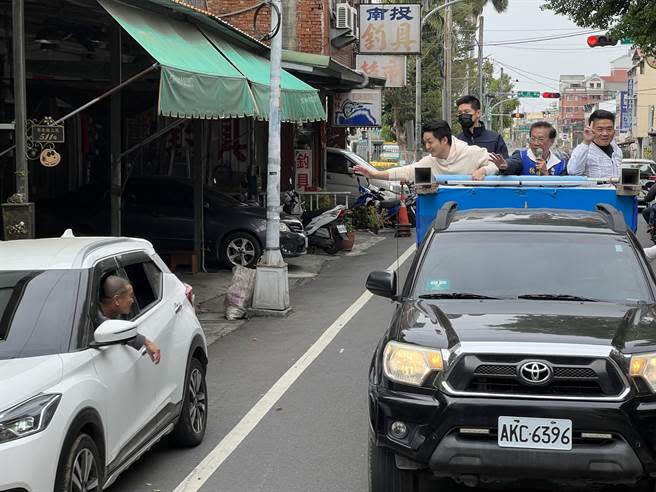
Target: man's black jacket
485,138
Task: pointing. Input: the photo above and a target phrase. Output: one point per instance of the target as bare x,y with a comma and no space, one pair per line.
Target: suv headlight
410,364
284,227
28,418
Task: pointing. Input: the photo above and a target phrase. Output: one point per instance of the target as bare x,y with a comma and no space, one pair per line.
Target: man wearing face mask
535,160
473,129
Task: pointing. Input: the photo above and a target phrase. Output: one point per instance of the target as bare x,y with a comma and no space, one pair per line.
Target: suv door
339,173
157,315
128,376
162,212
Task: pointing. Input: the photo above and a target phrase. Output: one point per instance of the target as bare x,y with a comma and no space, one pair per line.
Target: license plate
525,432
341,228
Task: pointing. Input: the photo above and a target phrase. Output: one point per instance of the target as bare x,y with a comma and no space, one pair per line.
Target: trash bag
240,292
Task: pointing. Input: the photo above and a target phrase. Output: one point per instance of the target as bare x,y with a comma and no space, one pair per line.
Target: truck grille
295,226
569,376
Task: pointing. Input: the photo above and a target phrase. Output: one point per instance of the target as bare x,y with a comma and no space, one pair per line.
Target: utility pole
271,281
481,95
418,136
20,105
446,87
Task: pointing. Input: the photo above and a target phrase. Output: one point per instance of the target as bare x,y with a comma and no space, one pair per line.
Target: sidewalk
210,287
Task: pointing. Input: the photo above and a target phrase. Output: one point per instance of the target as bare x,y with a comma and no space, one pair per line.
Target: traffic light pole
418,136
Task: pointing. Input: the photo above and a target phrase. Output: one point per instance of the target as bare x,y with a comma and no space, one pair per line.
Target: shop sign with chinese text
358,108
303,168
393,29
391,67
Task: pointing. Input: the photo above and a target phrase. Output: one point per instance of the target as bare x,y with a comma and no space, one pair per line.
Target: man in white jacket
448,155
598,156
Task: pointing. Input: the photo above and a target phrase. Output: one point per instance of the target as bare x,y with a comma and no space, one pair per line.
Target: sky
537,65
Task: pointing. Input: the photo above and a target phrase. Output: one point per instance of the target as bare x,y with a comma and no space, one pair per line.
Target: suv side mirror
349,170
114,331
382,284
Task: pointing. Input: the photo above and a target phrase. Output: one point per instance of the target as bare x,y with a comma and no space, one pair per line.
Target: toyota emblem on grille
535,372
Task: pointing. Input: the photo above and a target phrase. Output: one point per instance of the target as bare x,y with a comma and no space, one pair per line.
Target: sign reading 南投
393,29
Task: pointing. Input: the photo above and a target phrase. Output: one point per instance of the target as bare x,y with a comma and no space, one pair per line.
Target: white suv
77,404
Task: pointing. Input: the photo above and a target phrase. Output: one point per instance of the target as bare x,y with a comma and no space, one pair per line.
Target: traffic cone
403,224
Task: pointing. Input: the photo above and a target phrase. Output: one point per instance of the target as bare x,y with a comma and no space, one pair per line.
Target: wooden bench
188,258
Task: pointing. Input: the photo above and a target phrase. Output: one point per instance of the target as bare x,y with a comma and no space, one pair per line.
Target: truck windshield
535,265
37,311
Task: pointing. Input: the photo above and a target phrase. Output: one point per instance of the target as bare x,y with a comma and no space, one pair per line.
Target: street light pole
481,96
446,84
271,281
418,135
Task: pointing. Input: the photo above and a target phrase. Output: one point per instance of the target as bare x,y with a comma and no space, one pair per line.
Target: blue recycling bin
555,192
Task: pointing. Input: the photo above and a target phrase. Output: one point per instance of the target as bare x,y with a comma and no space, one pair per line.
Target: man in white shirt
448,155
598,156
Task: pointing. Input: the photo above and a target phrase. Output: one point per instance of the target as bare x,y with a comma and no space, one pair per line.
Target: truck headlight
284,227
410,364
28,418
644,366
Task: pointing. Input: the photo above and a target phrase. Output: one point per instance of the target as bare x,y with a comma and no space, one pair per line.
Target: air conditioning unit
345,16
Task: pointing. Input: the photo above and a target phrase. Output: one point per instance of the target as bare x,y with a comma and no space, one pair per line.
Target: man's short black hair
439,129
473,101
544,124
601,114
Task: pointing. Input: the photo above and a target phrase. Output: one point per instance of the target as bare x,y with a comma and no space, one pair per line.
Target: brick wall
307,28
242,21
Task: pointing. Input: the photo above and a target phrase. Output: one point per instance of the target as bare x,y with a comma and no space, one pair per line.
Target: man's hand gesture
499,161
588,135
358,169
479,174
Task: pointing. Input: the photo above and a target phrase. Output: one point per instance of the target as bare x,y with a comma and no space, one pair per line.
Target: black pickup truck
522,348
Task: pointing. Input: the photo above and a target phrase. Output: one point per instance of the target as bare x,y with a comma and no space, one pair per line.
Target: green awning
299,101
196,80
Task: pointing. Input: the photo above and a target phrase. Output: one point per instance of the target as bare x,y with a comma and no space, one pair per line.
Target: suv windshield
536,265
37,311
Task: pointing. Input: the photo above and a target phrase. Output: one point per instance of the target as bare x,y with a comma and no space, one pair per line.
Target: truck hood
443,324
24,378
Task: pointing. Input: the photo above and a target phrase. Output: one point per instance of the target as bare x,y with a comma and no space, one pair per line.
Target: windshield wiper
454,295
556,297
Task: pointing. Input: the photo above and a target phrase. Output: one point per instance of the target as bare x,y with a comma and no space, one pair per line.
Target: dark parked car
160,209
523,346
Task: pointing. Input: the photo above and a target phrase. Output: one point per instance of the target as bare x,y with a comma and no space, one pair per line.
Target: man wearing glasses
598,156
535,160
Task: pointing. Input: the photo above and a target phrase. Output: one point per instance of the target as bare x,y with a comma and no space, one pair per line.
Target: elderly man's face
125,300
540,140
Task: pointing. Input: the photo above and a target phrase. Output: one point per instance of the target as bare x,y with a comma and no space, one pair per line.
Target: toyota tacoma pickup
522,348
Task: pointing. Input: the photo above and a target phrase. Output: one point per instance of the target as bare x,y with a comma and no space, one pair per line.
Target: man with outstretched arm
448,155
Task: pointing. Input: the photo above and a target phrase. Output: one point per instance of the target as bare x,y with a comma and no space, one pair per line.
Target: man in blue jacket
473,129
536,159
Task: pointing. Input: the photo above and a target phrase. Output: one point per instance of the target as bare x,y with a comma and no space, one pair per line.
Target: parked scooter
324,227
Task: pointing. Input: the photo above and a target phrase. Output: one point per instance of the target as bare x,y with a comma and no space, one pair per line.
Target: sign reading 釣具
303,168
390,29
391,67
358,108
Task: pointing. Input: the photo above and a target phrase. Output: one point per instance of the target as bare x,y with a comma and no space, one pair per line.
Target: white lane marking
199,475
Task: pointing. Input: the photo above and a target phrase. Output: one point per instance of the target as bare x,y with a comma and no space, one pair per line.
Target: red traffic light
551,95
601,40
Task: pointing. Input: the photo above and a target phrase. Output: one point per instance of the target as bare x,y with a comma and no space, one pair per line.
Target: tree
632,19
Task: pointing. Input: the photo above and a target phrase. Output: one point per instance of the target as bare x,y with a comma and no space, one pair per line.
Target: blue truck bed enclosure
565,192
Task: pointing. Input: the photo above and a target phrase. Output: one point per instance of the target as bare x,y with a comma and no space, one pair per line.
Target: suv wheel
82,470
240,248
384,476
190,428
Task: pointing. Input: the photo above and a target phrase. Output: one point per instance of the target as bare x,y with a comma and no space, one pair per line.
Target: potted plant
347,244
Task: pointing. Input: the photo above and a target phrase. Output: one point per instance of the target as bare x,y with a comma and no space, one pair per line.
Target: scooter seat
391,203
